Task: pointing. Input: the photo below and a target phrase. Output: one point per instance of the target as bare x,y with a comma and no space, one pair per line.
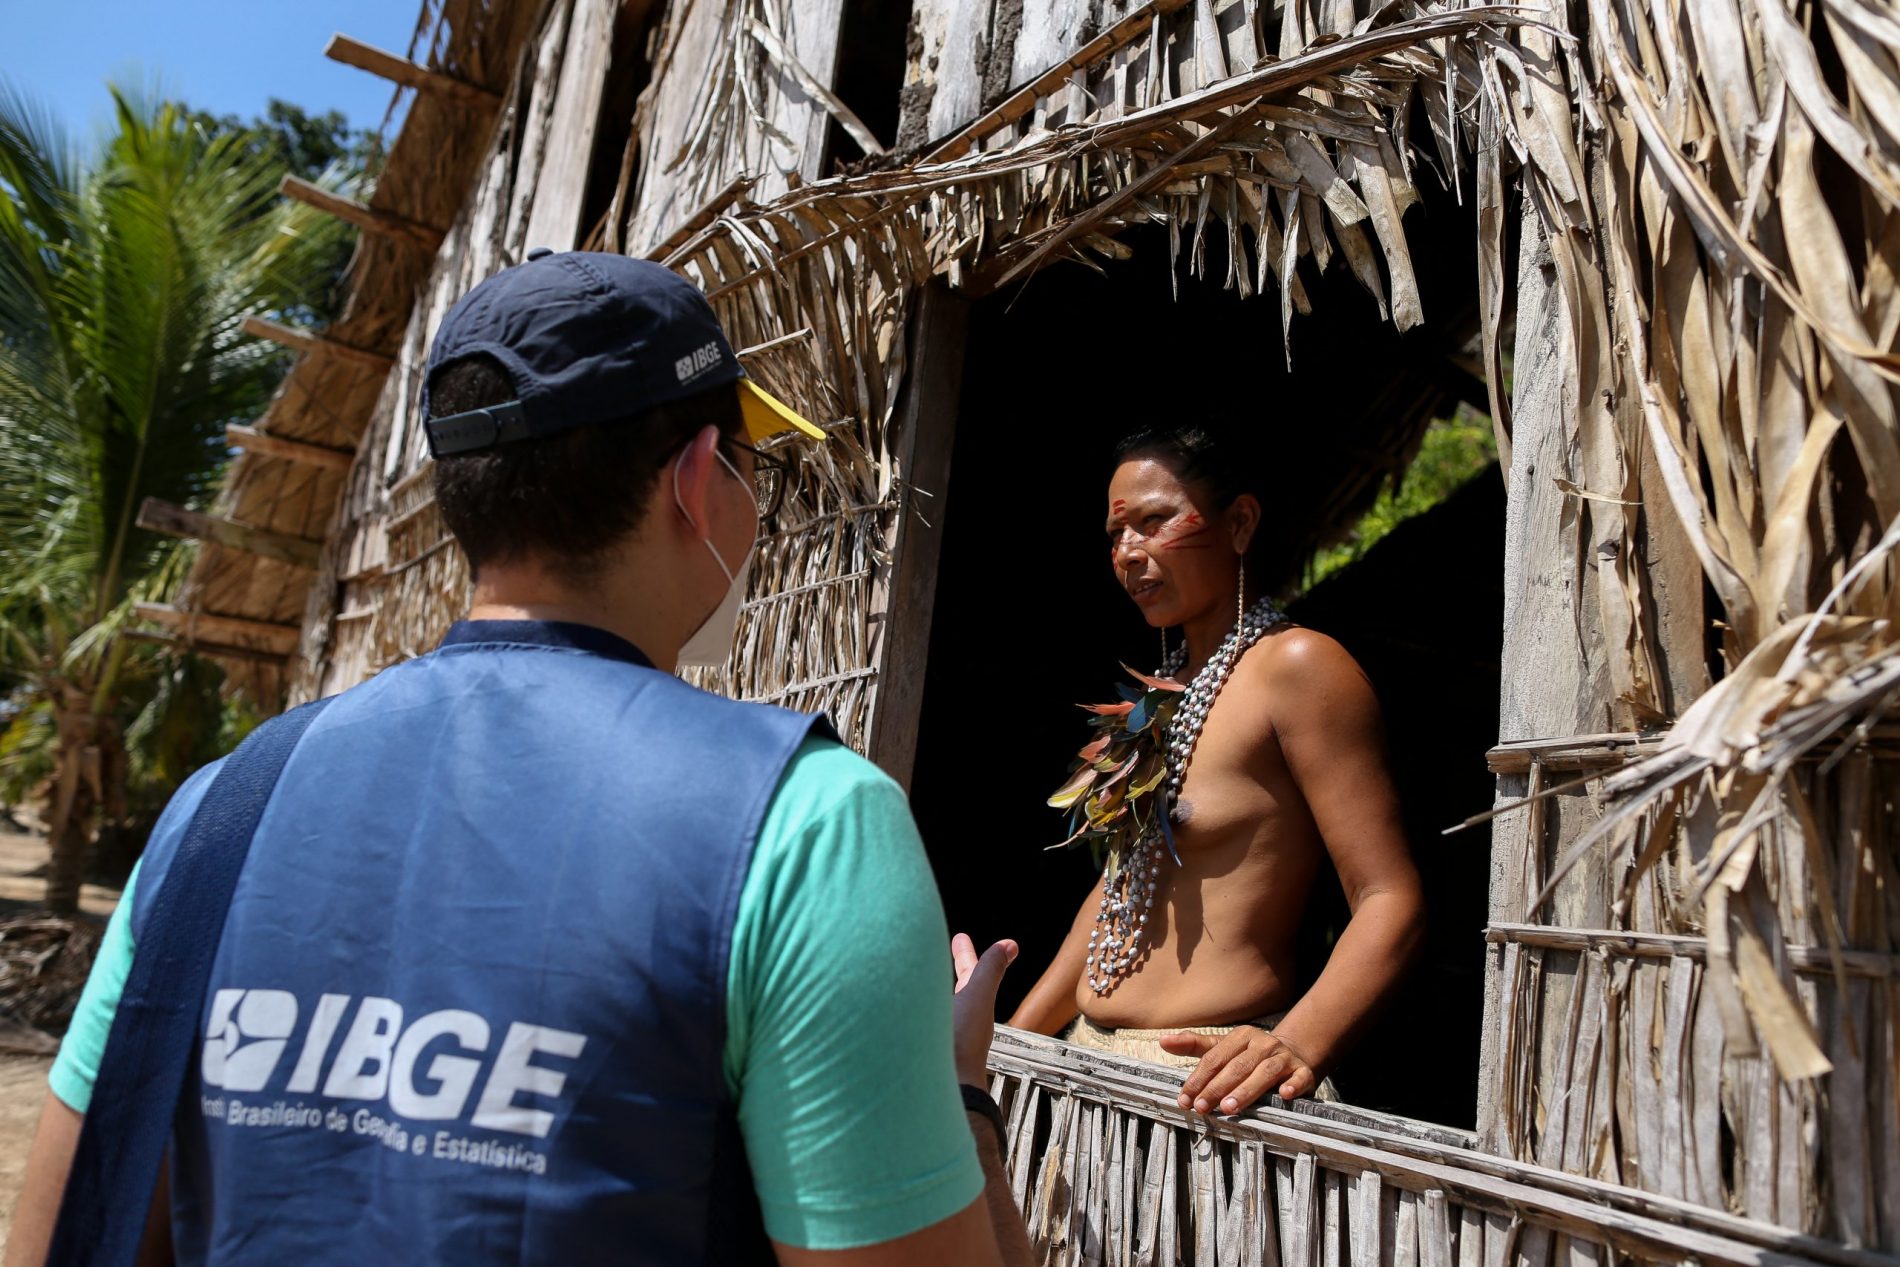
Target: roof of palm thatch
234,596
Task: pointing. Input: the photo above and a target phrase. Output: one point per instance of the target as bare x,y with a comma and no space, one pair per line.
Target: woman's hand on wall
1239,1067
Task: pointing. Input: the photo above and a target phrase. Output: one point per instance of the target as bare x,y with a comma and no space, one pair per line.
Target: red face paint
1116,531
1187,533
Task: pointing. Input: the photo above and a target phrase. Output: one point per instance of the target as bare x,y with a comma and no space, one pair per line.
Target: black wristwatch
977,1100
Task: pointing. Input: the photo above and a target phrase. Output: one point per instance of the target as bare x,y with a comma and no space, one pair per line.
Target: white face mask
711,643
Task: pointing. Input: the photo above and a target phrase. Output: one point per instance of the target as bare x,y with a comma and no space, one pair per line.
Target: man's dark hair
1220,466
568,499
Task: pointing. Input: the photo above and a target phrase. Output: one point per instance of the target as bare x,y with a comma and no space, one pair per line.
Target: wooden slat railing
1107,1170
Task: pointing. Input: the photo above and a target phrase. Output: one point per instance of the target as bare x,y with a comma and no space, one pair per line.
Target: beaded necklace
1128,885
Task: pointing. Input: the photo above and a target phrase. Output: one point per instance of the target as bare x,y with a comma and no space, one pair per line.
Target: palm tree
125,277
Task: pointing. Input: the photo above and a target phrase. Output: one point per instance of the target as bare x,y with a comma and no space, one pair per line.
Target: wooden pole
306,342
400,70
1551,669
176,521
367,218
204,647
252,440
906,594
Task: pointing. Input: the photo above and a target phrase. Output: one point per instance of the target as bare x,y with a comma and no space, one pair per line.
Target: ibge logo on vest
425,1071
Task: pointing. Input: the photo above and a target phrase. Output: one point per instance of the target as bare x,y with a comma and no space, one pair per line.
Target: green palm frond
125,278
39,164
124,283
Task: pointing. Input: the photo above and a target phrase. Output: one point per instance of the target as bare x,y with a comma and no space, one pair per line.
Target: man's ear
690,475
1243,521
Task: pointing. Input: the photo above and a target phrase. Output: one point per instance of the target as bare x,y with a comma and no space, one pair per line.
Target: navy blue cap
587,337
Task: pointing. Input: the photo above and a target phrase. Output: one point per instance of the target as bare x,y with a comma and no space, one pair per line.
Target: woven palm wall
1695,920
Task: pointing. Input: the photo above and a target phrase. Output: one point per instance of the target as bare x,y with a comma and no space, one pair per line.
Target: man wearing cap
539,954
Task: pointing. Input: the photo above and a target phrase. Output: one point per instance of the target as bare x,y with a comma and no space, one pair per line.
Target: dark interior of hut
1029,621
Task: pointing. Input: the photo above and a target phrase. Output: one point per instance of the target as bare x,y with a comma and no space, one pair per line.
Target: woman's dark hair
566,500
1220,466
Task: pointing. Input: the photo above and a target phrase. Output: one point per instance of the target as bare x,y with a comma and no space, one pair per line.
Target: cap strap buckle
477,429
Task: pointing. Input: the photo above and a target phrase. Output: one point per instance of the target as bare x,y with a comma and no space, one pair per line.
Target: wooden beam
401,70
204,647
306,342
367,218
252,440
176,521
906,593
1574,752
276,637
1812,959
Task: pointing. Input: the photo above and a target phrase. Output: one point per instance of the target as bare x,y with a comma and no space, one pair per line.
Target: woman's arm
1334,742
1050,1005
1326,720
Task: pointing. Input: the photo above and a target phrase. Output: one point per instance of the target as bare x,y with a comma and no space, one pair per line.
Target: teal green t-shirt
838,1045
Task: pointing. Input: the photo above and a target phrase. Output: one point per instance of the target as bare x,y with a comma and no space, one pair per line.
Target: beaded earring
1240,594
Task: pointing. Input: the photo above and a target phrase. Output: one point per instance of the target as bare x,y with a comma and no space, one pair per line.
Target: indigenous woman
1274,767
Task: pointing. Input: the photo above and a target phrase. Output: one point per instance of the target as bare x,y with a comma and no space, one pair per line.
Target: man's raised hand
974,1008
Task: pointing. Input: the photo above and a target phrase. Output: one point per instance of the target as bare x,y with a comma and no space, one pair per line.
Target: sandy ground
23,1078
22,882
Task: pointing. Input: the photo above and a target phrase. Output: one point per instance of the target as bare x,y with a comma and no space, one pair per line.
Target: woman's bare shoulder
1302,670
1299,651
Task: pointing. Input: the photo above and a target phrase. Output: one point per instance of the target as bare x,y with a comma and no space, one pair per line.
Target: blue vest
470,1002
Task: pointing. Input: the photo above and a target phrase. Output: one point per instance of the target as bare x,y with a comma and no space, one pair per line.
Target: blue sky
217,55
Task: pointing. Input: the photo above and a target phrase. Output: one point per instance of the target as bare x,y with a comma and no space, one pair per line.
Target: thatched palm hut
1682,319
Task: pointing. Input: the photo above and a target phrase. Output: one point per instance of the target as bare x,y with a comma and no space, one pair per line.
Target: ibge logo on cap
697,362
